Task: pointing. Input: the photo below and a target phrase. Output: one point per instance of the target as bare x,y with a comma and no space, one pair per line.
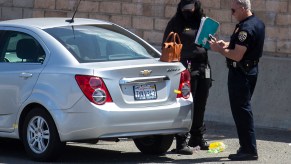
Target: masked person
186,23
242,55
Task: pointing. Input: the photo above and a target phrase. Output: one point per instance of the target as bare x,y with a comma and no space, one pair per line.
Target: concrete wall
148,18
271,102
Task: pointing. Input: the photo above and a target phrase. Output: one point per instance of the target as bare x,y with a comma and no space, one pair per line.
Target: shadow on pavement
12,151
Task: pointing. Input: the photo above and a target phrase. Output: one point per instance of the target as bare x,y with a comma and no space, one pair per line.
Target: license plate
145,92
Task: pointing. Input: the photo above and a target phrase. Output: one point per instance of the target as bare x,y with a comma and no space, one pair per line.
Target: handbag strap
176,35
168,37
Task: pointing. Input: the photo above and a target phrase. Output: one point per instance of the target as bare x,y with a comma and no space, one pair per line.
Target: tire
40,136
155,145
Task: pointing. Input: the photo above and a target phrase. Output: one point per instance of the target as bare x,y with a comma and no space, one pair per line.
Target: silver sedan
87,80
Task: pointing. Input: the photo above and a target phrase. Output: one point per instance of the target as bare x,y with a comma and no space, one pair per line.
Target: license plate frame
144,92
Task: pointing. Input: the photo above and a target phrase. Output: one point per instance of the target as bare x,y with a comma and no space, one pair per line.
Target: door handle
25,75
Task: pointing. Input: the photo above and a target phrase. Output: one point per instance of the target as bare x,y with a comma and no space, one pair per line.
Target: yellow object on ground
216,147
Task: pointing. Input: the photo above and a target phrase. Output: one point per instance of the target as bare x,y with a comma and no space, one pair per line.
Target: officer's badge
242,36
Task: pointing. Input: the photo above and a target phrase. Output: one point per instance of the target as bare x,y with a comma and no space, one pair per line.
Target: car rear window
102,43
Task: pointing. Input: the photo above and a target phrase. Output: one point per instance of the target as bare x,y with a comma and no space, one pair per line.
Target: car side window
19,47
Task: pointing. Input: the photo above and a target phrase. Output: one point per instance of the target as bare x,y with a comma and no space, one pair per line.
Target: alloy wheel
38,134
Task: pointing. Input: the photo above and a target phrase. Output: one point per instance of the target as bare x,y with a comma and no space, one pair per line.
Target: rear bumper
88,121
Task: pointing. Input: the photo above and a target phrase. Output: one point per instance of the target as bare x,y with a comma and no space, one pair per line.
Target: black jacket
187,34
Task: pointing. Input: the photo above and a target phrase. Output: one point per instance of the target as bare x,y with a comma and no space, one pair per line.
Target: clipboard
207,26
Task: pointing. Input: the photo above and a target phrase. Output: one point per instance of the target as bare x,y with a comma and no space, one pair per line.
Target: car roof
44,23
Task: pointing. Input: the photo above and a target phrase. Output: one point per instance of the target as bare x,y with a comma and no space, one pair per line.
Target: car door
21,58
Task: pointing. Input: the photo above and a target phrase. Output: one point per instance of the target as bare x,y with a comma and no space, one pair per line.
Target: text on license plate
145,92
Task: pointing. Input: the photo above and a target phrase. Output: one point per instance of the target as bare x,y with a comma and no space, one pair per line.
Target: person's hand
222,43
215,45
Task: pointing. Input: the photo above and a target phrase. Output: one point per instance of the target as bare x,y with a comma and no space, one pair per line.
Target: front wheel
40,136
156,145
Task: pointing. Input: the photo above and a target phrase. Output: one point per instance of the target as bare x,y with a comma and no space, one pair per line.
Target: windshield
102,43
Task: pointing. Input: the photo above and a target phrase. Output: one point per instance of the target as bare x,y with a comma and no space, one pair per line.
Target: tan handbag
171,50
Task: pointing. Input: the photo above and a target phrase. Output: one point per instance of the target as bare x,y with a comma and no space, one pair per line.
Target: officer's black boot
181,145
197,138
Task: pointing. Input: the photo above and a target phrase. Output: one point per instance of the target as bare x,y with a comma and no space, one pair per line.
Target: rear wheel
40,136
157,145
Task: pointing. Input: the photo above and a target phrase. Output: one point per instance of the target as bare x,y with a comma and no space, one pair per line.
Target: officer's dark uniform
242,79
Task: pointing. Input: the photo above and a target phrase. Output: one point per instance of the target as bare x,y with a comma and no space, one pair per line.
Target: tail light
184,86
94,89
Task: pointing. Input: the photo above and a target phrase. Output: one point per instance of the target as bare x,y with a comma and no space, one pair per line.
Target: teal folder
207,26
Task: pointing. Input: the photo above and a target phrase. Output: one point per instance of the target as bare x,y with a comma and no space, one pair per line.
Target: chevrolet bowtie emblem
146,72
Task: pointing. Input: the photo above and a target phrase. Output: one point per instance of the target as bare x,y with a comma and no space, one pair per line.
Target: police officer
242,54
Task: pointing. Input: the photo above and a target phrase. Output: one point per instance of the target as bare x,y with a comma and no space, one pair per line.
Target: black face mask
188,16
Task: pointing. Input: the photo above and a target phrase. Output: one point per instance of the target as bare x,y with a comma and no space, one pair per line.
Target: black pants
240,88
200,91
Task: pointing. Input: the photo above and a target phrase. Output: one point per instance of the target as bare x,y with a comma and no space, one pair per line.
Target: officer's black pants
240,88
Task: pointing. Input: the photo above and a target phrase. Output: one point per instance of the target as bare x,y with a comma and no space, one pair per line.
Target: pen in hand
212,38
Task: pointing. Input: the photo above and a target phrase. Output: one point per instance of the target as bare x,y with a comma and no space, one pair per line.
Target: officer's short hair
244,3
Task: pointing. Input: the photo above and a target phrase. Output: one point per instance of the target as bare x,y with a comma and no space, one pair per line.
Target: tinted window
18,47
102,43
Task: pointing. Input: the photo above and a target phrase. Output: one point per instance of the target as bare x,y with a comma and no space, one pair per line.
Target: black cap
187,4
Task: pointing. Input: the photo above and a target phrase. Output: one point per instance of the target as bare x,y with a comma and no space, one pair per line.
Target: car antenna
72,20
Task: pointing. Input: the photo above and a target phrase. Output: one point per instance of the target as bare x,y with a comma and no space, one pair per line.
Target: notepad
207,26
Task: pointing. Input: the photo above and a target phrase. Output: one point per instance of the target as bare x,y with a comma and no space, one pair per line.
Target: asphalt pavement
274,147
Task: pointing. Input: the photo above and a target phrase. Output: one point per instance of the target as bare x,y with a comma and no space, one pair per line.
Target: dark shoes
194,142
184,151
243,156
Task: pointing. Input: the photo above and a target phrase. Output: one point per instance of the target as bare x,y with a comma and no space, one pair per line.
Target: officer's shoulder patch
242,36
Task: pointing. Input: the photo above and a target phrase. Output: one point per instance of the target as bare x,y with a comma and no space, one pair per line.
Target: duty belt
244,65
